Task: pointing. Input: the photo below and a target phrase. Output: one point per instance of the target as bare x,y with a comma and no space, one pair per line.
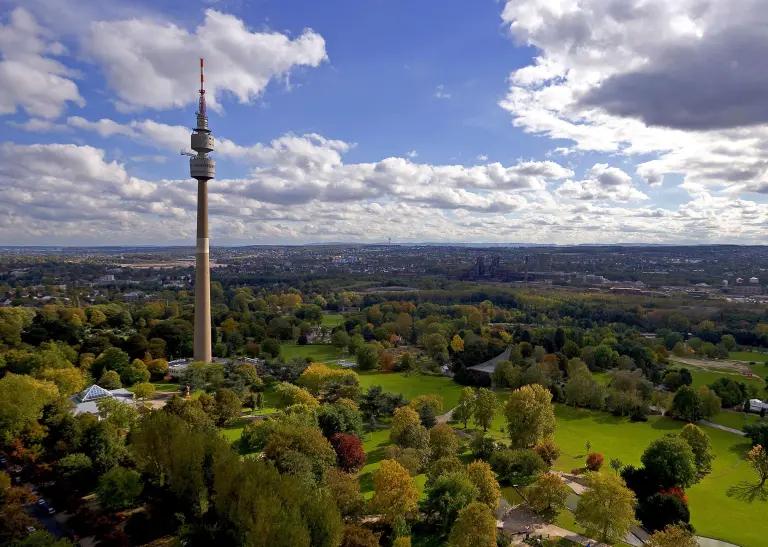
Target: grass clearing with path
413,385
735,420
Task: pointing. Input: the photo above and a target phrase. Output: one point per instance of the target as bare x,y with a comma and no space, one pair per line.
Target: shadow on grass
374,456
740,448
667,424
366,482
746,491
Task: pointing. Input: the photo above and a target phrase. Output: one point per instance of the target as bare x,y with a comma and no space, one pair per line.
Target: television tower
202,168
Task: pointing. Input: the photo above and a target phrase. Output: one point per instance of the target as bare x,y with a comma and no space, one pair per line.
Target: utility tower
202,168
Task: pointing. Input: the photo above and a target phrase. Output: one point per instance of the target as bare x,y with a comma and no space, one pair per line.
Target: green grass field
749,356
331,320
319,353
736,420
162,387
713,513
413,385
703,377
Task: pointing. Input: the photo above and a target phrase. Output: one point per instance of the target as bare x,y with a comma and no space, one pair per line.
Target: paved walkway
724,428
445,418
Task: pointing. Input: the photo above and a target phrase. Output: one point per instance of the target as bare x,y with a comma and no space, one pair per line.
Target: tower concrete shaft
203,169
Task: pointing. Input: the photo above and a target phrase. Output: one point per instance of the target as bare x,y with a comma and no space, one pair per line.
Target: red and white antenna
202,89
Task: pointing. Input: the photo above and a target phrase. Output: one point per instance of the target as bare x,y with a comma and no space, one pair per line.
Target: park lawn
713,513
705,377
332,320
161,387
602,378
749,356
319,353
413,385
735,420
234,430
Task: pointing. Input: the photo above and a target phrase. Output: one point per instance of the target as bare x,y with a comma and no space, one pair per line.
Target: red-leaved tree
350,455
594,461
675,491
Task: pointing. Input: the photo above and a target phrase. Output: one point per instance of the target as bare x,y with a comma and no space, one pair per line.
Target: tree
465,408
394,492
517,465
68,380
443,442
340,339
120,488
112,359
157,348
367,357
449,494
404,418
345,490
594,461
227,406
710,403
485,408
74,465
42,538
669,461
475,526
698,440
350,456
570,349
427,416
434,344
731,393
758,461
157,368
547,450
728,341
143,391
288,395
402,542
616,464
110,380
757,432
672,536
300,450
530,416
358,536
661,510
507,375
686,404
607,509
457,344
549,494
339,418
484,479
22,399
432,400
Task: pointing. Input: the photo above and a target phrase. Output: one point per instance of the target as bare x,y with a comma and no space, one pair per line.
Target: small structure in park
86,400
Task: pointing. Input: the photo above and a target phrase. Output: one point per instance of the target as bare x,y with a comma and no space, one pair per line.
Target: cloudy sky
542,121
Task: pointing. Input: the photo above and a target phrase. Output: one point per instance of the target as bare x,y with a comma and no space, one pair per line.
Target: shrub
660,510
594,461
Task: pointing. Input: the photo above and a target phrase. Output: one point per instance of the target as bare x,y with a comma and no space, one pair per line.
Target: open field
712,512
749,356
319,353
736,420
331,320
413,385
162,387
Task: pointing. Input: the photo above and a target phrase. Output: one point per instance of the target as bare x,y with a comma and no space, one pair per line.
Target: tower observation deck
202,168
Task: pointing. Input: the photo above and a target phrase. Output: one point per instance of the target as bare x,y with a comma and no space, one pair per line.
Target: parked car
30,529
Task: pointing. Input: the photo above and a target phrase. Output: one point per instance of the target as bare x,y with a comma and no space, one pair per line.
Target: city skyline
559,122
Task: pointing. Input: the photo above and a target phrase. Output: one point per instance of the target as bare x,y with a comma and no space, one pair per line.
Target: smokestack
202,168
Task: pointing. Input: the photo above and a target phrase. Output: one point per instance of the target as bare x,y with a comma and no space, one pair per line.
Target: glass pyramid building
93,393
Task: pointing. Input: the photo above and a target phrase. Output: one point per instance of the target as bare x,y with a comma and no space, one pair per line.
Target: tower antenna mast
202,167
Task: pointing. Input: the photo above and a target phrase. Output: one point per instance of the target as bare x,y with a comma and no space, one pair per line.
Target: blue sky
543,121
